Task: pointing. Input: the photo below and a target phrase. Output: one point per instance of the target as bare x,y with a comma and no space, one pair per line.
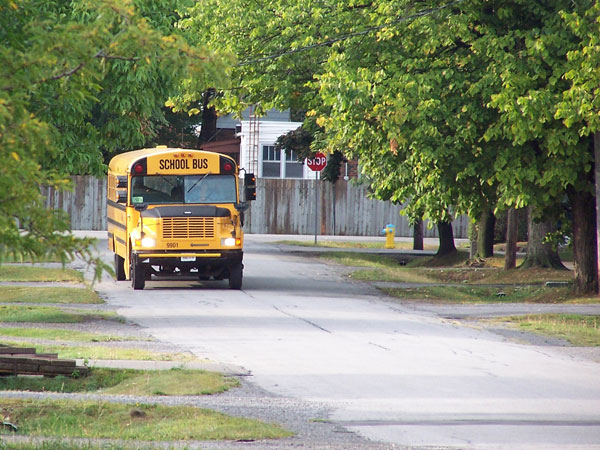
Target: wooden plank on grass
19,367
47,355
14,350
25,361
33,369
61,370
17,359
61,362
28,355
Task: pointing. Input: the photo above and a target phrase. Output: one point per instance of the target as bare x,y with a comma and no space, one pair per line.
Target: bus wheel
235,276
119,268
138,276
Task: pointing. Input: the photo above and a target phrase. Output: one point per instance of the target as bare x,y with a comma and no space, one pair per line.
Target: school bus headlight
148,242
231,242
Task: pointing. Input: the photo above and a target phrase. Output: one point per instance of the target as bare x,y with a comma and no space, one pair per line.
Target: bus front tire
138,276
119,268
235,276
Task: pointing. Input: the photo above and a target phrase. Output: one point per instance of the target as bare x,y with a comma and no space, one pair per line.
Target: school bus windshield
160,189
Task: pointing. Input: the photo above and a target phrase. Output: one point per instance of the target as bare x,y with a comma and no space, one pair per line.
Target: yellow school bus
175,212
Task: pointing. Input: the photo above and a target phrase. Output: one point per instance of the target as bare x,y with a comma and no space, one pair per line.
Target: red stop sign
317,163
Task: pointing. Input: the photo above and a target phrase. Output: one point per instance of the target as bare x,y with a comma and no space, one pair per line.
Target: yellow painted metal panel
183,162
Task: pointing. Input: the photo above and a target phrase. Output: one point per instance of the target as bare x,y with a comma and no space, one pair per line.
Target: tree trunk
540,253
485,236
585,250
418,235
209,119
473,232
510,254
446,239
597,183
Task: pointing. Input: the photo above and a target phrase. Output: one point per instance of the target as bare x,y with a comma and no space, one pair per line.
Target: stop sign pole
316,164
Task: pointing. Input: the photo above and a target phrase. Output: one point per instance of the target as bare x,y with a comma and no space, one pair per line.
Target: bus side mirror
140,206
121,196
250,187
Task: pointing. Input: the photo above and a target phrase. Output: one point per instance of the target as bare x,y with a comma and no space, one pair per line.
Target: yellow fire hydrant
389,231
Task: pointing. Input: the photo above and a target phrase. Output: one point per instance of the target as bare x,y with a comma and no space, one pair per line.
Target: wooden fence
282,207
85,204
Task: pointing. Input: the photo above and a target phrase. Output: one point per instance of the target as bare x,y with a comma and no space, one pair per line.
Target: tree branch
99,55
68,73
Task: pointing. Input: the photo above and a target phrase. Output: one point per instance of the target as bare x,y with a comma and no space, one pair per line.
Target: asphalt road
388,372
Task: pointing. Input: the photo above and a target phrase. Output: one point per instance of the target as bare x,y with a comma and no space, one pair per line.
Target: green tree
477,70
178,129
548,159
407,99
580,110
279,47
285,49
455,107
76,79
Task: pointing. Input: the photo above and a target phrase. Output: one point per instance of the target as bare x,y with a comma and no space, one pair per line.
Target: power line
344,37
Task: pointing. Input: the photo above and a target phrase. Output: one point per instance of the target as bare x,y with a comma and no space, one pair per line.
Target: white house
257,152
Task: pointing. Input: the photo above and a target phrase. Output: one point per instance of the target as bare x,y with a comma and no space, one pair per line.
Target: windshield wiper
197,182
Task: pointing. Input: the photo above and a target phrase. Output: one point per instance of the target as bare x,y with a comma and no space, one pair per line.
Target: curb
209,366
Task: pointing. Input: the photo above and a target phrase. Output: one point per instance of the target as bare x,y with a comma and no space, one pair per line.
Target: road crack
302,319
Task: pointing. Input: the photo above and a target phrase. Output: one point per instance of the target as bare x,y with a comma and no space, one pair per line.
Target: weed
97,420
17,272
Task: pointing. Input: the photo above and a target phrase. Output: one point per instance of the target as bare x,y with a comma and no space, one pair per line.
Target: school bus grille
188,227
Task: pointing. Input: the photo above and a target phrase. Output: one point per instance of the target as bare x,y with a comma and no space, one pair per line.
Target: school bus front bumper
220,257
178,255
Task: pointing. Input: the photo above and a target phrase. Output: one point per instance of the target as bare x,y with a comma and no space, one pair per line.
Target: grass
462,275
467,284
577,329
23,259
127,382
70,351
401,245
424,270
56,444
360,259
24,273
49,314
31,294
493,275
482,294
450,260
392,275
174,382
58,334
95,420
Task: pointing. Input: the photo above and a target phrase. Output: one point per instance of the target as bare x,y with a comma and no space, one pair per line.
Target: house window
293,168
278,164
271,163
